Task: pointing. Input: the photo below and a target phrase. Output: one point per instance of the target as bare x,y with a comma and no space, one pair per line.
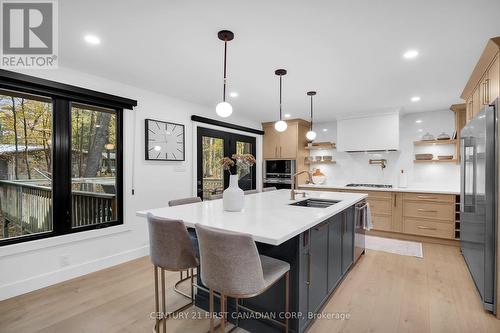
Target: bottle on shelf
403,180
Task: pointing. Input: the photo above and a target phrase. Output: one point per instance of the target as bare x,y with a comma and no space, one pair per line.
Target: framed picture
165,141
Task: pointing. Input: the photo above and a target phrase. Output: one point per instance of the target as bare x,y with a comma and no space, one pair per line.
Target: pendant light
280,125
311,135
224,109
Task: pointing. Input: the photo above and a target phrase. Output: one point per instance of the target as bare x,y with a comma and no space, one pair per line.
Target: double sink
315,203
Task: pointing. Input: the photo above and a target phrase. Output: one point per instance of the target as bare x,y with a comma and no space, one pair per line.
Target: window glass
93,165
25,165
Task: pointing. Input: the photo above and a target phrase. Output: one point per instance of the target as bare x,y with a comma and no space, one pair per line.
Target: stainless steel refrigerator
478,200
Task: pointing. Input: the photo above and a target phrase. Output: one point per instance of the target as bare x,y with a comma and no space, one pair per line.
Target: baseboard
422,239
47,279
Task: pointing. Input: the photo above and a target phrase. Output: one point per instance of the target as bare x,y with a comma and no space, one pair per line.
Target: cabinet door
397,212
347,239
288,142
494,80
483,91
476,101
270,143
318,266
334,251
468,112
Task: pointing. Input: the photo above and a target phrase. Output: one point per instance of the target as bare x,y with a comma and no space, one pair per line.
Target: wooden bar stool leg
157,303
192,286
223,314
211,310
163,301
287,299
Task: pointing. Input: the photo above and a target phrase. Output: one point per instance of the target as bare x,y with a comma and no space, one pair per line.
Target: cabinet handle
394,198
426,197
276,151
280,151
308,282
487,91
426,228
427,210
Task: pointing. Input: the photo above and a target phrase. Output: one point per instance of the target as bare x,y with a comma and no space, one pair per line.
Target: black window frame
62,96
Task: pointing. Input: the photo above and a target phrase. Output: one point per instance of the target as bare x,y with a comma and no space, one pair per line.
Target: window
60,158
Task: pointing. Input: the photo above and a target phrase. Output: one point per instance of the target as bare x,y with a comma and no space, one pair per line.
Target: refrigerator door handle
462,175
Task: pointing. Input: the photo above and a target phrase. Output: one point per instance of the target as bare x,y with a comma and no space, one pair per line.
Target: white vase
233,198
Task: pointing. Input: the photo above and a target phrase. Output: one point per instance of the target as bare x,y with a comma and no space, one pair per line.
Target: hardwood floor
383,293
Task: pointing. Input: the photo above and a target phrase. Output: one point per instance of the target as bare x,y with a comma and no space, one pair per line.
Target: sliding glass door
212,146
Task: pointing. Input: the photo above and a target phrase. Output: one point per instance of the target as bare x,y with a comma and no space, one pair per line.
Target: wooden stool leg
211,310
223,314
157,303
287,299
192,286
163,301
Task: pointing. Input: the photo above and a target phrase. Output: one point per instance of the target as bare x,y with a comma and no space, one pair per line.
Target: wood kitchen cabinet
419,214
288,144
483,86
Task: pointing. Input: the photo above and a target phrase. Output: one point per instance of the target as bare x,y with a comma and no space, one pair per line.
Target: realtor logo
29,34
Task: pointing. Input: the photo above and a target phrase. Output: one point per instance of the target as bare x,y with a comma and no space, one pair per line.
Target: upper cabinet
483,86
288,144
368,133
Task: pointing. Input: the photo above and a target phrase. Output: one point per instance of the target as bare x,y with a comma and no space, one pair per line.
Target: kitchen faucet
294,177
380,162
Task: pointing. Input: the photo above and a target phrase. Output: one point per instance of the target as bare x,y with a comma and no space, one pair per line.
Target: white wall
32,265
354,167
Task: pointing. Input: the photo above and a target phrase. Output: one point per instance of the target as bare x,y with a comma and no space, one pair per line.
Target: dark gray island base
319,258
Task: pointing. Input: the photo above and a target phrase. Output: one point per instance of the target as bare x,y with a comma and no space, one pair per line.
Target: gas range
370,185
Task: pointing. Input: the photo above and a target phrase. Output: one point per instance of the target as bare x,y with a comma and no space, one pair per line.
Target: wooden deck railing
29,205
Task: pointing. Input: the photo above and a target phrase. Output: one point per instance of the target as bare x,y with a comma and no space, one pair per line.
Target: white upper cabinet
368,133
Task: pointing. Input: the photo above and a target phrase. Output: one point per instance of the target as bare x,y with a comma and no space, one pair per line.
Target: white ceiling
349,51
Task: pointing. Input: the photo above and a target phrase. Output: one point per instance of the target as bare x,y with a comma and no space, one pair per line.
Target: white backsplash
354,167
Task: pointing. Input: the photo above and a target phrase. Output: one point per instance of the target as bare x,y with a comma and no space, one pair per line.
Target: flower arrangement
244,161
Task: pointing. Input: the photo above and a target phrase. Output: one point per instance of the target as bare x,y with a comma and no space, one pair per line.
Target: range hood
368,133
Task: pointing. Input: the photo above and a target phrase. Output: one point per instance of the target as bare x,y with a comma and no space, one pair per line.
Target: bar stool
170,250
192,235
232,266
269,189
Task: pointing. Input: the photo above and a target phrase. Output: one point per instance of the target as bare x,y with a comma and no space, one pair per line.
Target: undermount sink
315,203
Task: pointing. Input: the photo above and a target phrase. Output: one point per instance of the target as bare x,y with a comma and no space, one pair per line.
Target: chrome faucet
294,178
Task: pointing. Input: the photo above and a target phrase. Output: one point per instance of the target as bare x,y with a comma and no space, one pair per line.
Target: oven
278,173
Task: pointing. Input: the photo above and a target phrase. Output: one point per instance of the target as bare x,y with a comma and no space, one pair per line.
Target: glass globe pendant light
311,135
224,109
280,125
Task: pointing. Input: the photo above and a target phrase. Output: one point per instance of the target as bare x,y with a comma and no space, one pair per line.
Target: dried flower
227,163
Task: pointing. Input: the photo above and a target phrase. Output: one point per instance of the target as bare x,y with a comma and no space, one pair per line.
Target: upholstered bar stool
170,250
269,189
232,266
192,235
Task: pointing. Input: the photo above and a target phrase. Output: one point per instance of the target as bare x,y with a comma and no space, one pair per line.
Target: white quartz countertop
410,189
267,216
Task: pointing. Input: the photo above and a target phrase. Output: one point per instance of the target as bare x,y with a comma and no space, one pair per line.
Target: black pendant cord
225,77
280,97
311,113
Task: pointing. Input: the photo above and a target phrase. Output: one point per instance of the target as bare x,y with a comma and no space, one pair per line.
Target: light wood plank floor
383,293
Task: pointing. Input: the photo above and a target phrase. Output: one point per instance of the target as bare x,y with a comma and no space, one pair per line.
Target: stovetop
370,185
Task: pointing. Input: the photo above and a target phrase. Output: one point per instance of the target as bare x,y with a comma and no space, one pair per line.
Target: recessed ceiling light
419,121
92,39
325,129
415,99
410,54
287,115
233,94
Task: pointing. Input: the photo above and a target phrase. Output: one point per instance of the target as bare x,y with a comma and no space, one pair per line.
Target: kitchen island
318,242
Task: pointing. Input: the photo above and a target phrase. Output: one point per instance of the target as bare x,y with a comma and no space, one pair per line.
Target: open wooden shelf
319,162
435,142
321,145
454,160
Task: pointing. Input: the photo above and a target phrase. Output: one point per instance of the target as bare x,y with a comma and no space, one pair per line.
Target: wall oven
278,173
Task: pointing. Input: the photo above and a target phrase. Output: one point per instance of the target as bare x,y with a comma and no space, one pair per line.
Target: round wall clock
164,141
